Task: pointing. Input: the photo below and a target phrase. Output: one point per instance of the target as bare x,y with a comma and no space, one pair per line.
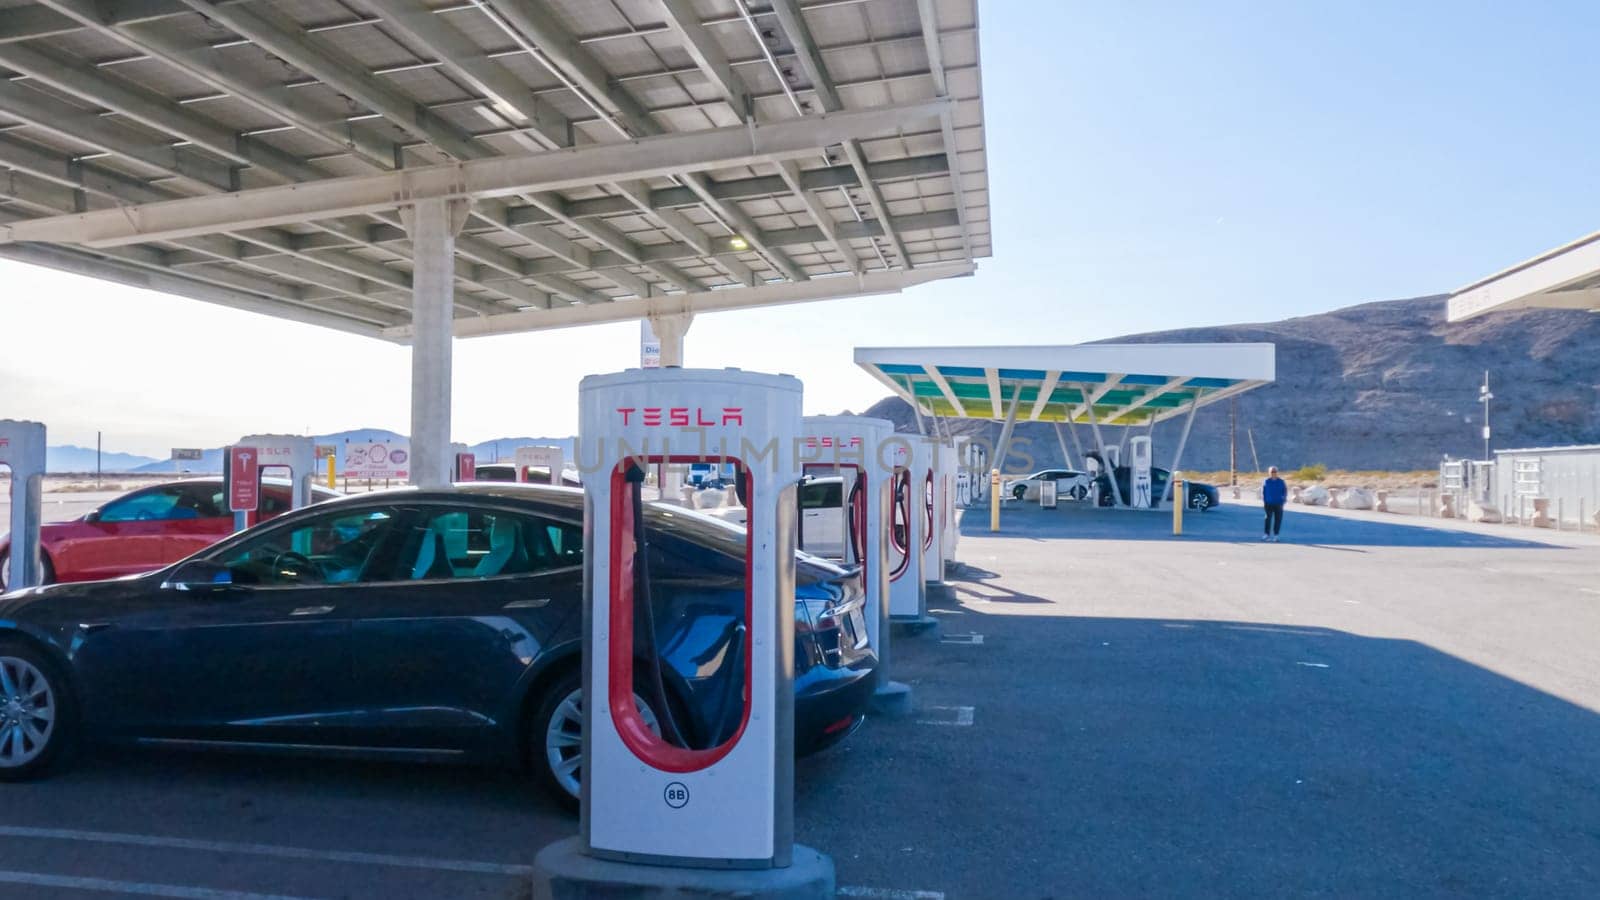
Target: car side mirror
199,575
92,515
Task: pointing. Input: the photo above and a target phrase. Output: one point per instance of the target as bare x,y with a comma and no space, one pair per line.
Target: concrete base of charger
561,871
892,700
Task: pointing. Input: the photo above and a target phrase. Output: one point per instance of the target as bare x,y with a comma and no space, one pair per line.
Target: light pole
1484,397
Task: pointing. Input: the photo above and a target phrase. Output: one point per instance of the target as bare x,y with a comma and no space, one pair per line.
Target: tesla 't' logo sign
681,416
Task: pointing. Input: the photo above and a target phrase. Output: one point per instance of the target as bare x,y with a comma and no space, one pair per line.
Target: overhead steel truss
619,158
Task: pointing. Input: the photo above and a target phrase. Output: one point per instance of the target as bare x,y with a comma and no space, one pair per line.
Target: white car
821,502
1070,483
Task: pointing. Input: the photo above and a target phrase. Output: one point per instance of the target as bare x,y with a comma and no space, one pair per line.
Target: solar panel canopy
1103,384
617,158
1567,277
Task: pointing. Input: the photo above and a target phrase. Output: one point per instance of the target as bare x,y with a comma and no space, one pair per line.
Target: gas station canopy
1104,384
1564,278
612,159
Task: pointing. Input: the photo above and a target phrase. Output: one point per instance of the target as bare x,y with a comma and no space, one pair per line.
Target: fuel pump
855,445
275,452
22,452
649,795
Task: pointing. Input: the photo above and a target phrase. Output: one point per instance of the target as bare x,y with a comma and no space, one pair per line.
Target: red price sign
244,479
466,467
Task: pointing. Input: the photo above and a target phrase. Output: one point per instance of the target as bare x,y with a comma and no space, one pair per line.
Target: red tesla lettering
678,416
652,416
700,417
625,411
733,415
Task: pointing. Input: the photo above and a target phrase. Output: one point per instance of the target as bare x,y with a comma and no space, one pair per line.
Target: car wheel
1079,492
36,712
1019,492
1199,500
556,738
47,572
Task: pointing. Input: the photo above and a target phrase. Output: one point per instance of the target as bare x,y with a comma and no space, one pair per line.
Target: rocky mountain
1385,385
72,458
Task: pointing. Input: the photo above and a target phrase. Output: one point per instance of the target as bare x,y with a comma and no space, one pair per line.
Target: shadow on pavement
1161,758
1224,524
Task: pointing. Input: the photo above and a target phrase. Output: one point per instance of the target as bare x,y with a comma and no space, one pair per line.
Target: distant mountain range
68,458
1386,385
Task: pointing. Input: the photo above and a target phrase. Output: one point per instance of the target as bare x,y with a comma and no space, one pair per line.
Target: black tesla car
415,624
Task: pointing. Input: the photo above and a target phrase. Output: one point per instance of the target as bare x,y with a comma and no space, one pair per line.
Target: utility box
1047,494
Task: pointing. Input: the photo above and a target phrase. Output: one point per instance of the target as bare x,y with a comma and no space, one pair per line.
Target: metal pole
1061,438
1233,441
97,458
432,225
1177,458
1099,439
1004,447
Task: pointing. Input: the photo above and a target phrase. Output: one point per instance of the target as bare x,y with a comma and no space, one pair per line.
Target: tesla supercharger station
908,599
933,516
22,452
1139,472
949,465
856,448
279,451
552,458
648,799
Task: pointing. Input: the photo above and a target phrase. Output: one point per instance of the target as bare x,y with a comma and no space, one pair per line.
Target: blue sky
1153,165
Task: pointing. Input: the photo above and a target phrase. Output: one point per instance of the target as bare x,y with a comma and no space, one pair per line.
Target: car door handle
312,611
540,603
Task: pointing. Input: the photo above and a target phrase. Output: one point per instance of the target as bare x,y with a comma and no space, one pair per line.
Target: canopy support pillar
1100,442
670,330
432,225
1183,440
1004,445
1061,438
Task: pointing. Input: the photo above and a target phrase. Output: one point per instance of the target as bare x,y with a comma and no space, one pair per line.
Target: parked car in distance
424,625
507,473
146,529
821,502
1201,496
1070,483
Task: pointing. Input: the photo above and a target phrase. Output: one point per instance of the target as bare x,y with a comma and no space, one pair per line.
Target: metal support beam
820,215
496,177
1183,441
993,377
1003,446
794,25
433,224
1100,441
1051,378
1061,438
928,11
944,388
871,283
670,330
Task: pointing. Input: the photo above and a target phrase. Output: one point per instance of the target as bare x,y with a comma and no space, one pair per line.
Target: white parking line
341,856
888,893
133,888
962,715
1312,665
973,638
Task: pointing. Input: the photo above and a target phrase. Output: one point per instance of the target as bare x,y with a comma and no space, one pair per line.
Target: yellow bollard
994,499
332,476
1180,499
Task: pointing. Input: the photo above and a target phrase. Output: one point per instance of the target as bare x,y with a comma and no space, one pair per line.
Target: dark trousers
1274,520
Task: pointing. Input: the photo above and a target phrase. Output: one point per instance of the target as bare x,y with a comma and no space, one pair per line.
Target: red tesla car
144,530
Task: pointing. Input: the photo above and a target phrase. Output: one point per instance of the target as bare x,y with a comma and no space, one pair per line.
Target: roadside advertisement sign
244,479
326,450
187,454
377,460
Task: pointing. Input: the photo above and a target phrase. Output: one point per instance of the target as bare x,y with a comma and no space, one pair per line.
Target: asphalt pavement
1371,708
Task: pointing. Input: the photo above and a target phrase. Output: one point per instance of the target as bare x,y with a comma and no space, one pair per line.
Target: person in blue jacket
1274,493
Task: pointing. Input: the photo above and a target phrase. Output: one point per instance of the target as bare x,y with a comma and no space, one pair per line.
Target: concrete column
432,225
670,330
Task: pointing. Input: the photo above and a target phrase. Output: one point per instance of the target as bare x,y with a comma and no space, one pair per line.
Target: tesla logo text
682,416
833,442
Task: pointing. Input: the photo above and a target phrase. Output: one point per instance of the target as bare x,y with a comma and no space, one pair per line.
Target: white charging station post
703,821
948,474
854,445
908,600
280,451
552,458
22,452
